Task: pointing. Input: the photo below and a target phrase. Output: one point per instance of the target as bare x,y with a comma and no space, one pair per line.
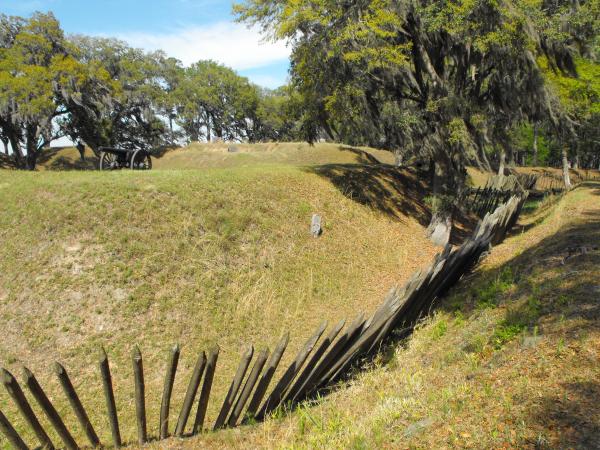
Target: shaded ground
66,159
396,192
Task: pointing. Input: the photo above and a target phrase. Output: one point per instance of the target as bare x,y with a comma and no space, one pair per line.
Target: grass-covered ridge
222,155
509,360
196,257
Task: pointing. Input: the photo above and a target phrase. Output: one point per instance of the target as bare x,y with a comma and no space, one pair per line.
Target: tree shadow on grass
569,257
575,413
362,156
6,162
62,163
51,160
552,288
396,192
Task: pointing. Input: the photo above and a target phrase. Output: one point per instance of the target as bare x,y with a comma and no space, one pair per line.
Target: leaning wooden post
14,390
167,391
11,434
294,391
266,378
110,398
140,394
235,386
211,365
248,387
190,394
276,396
78,408
51,412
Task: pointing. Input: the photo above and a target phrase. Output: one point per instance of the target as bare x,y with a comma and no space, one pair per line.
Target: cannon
120,158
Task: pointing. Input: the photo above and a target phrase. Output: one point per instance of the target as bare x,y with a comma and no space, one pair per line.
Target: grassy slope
199,156
196,257
203,156
510,360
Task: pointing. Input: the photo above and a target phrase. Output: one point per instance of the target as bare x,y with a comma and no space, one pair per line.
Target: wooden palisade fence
481,201
548,183
318,365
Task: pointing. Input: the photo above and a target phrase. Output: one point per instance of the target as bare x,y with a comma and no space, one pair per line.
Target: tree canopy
444,80
105,93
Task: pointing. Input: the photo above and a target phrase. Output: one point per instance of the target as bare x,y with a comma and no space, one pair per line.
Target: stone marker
315,227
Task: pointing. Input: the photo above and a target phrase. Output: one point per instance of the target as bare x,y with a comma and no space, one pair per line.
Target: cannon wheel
141,160
108,161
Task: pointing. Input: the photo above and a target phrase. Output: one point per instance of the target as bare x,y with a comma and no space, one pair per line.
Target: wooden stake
211,365
190,395
234,388
78,408
109,396
14,390
11,434
53,416
167,391
140,394
247,390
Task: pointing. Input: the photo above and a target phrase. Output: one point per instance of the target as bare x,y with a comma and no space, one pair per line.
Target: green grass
196,257
509,360
203,156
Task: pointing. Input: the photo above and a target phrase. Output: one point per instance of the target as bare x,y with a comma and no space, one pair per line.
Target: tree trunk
16,151
535,144
484,158
31,158
565,167
441,218
5,143
31,144
501,161
399,158
511,157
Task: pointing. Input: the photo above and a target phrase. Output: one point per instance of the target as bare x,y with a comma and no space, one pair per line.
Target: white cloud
266,80
229,43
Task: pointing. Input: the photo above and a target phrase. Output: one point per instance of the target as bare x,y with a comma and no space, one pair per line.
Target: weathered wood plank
167,391
234,388
190,394
16,393
76,405
109,397
211,366
51,413
140,395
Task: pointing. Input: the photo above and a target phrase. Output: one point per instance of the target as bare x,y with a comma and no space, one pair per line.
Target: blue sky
186,29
